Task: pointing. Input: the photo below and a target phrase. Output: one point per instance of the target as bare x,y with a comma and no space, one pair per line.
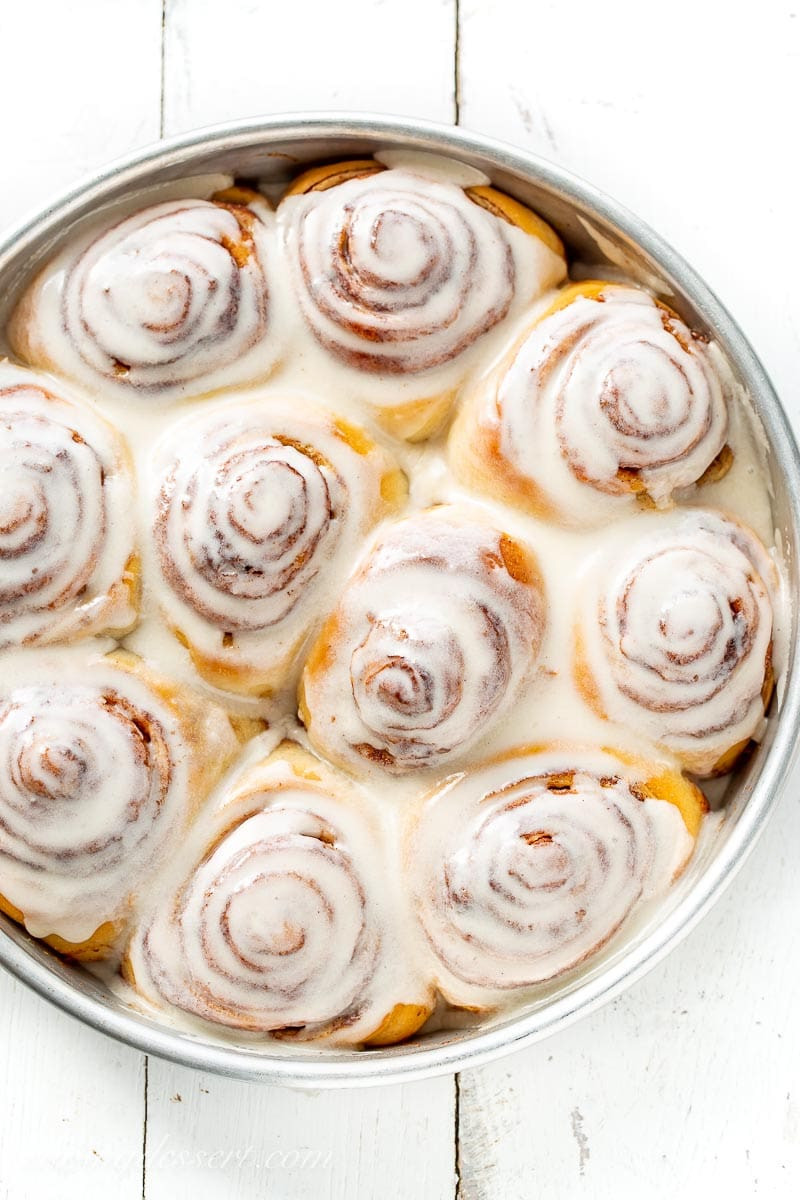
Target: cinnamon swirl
102,764
675,637
67,561
431,641
609,398
525,867
286,922
171,301
397,275
257,506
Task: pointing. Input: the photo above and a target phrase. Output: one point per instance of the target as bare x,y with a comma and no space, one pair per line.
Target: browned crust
329,175
506,208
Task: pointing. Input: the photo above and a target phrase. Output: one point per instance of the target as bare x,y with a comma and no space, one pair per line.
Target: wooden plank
80,85
208,1136
72,1105
243,59
686,118
687,1085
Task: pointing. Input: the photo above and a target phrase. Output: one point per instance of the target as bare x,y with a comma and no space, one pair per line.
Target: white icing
515,883
257,509
66,520
430,644
170,301
396,274
433,166
598,388
93,780
404,279
676,633
288,922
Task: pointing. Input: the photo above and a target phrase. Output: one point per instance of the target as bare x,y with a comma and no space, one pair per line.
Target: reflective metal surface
596,230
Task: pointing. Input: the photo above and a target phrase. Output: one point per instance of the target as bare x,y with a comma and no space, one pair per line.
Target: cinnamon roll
102,764
286,921
67,561
170,301
541,567
430,643
674,637
525,867
257,507
607,400
398,275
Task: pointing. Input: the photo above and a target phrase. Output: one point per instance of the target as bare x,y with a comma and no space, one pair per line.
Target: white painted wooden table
690,1085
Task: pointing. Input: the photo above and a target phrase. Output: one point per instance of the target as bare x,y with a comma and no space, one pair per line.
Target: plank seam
144,1128
457,65
457,1137
163,67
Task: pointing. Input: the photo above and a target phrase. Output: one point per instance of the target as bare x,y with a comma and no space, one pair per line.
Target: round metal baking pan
596,231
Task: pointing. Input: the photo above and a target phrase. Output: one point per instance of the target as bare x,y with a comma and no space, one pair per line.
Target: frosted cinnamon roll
609,398
398,275
430,643
257,508
102,765
525,867
285,922
168,302
67,562
674,637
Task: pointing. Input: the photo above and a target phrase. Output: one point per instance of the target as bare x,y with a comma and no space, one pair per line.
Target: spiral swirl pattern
168,298
273,930
88,773
396,273
607,397
685,633
242,527
417,668
257,507
65,529
526,867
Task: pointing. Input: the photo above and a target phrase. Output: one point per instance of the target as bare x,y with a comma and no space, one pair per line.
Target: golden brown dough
525,866
674,637
103,766
169,302
284,918
398,276
430,643
258,511
68,561
607,399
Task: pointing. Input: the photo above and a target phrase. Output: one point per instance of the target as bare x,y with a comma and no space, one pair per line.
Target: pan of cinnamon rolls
397,560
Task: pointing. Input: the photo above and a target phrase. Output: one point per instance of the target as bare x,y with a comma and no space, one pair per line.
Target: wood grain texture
685,1086
209,1137
71,1105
